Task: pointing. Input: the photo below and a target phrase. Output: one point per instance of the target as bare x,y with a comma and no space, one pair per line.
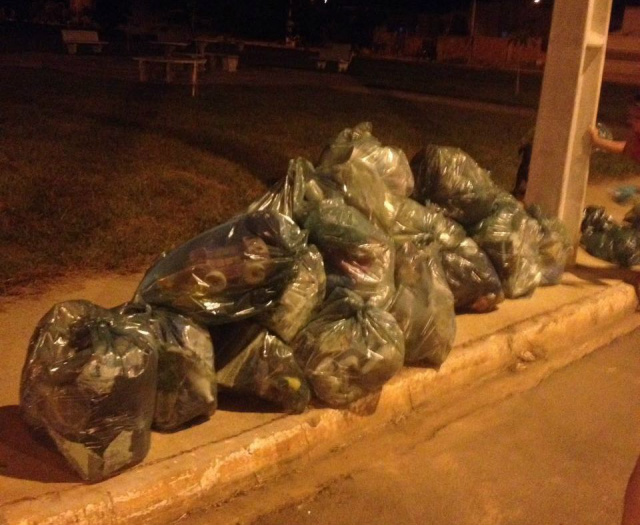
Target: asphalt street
559,453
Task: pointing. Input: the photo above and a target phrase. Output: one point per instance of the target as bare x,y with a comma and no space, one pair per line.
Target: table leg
170,73
143,67
194,79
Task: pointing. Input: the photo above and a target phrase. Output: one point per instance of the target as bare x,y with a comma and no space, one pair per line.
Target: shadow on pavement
24,455
598,275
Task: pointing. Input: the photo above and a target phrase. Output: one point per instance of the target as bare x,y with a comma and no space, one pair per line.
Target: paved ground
557,454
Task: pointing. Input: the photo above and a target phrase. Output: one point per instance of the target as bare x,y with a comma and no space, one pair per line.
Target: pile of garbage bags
319,292
605,239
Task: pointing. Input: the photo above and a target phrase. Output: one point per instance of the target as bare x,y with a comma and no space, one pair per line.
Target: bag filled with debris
228,273
468,271
89,381
186,376
362,188
554,245
251,361
357,255
412,218
293,195
452,179
300,299
349,349
423,304
510,237
472,278
605,239
358,143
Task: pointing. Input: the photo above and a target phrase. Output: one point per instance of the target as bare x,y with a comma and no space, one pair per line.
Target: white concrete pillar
568,105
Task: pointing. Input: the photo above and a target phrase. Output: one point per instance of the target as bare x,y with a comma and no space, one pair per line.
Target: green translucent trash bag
469,272
554,245
412,218
186,375
452,179
251,361
389,163
423,304
228,273
361,188
357,255
291,196
300,299
89,381
349,349
510,237
603,238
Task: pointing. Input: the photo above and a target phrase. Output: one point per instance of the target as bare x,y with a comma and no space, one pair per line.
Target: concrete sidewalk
240,447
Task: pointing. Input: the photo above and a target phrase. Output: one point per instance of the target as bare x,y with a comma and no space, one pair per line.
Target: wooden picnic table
196,64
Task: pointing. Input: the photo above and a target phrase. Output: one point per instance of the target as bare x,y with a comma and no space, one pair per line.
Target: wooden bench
73,38
339,54
196,64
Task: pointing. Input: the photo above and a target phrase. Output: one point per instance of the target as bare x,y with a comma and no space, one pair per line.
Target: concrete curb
161,491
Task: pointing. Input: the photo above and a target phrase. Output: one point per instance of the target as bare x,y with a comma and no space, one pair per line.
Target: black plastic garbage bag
228,273
472,278
554,245
389,163
632,217
423,304
357,255
452,179
596,218
251,361
300,299
89,381
349,349
186,376
603,238
510,237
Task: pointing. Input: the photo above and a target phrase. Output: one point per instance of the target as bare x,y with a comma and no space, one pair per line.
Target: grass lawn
104,175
